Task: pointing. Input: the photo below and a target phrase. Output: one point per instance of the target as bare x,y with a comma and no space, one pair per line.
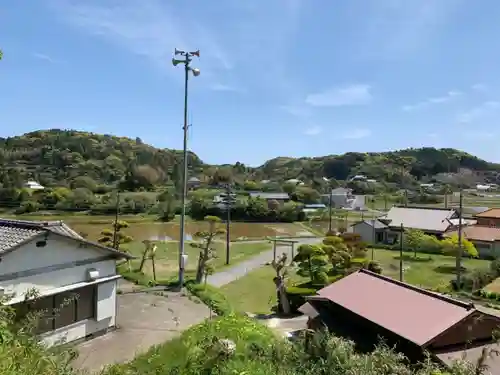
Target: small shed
365,307
371,231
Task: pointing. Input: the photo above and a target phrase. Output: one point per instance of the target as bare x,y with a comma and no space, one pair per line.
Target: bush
212,297
297,296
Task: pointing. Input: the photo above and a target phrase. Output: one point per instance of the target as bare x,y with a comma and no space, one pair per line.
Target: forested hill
56,157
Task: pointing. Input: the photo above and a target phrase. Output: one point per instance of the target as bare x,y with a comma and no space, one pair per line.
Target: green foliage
107,236
259,351
212,297
451,246
207,250
312,262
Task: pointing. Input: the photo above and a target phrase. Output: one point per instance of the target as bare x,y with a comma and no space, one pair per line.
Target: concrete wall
364,230
31,267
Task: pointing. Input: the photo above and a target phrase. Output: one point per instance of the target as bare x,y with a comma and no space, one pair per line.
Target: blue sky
279,77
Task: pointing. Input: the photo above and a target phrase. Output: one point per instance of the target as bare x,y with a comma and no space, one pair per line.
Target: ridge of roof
456,302
58,227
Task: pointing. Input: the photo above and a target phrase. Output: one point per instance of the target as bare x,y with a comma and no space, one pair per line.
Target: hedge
212,297
297,294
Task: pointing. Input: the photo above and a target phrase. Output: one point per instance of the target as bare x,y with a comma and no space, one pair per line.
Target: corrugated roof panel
414,314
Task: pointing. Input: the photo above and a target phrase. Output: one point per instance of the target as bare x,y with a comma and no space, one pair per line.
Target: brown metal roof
493,213
413,313
479,233
472,355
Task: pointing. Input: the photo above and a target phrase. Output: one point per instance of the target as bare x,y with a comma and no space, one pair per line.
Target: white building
33,185
65,271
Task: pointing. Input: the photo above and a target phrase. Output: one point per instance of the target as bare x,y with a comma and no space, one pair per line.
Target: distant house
343,198
281,198
56,262
490,218
358,177
371,231
311,208
294,181
434,221
485,239
33,185
193,183
366,307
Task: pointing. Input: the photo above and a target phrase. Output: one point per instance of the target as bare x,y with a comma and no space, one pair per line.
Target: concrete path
144,319
241,269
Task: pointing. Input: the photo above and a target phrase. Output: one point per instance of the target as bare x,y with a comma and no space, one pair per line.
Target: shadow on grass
412,258
448,269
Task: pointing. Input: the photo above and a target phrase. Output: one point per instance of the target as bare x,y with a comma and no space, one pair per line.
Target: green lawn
428,271
256,292
167,255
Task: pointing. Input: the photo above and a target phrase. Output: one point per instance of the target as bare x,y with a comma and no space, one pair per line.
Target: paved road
241,269
144,319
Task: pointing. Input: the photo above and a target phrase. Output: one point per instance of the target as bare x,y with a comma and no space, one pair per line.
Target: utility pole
187,57
115,226
401,253
460,249
330,211
228,200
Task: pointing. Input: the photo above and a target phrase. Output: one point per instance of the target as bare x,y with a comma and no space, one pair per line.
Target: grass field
256,292
167,255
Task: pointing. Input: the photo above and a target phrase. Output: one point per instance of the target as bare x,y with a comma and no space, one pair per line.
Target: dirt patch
494,286
170,231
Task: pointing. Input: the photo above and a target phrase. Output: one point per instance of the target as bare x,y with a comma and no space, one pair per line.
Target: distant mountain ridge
58,156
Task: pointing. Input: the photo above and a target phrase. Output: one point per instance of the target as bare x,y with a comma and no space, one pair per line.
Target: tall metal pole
401,253
115,226
460,249
182,234
330,212
228,221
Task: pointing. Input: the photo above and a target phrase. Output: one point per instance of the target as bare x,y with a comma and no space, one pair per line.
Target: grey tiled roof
15,232
11,236
375,223
426,219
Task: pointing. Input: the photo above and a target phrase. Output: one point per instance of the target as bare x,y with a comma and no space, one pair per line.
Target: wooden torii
283,241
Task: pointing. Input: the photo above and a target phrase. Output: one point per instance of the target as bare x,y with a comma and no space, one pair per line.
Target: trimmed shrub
212,297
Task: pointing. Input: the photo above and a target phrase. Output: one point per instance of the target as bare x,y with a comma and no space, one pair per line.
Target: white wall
106,312
58,251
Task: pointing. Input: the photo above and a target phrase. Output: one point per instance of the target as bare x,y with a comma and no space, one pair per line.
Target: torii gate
277,241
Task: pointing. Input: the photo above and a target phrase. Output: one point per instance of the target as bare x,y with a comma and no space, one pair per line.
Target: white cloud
395,29
357,134
479,87
358,94
434,100
44,57
313,130
478,112
222,87
296,110
480,135
146,28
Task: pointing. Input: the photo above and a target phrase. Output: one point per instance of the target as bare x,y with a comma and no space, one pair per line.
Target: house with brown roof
75,280
490,218
365,307
485,239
